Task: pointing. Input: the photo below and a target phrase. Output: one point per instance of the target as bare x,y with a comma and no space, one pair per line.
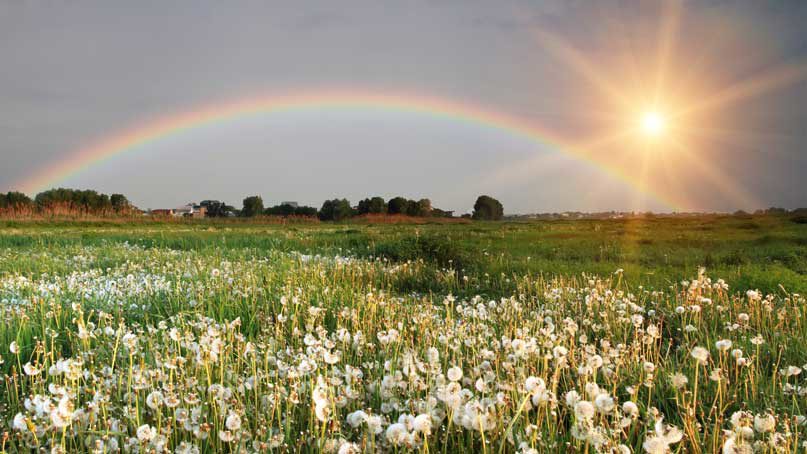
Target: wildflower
604,403
678,380
700,354
764,423
357,418
422,424
145,433
454,373
396,434
584,410
154,400
14,348
660,441
30,369
233,422
723,345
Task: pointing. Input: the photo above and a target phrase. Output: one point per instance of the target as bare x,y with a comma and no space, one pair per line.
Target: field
654,335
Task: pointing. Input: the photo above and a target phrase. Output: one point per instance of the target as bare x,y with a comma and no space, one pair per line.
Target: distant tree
378,205
438,213
17,200
487,208
120,203
305,211
375,205
741,214
423,208
216,209
283,209
776,211
87,200
253,206
335,210
3,200
397,205
363,207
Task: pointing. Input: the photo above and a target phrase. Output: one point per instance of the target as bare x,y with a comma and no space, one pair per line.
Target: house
186,211
190,211
293,204
162,212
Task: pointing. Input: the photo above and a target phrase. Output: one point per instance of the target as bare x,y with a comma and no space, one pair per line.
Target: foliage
335,210
375,205
286,209
487,208
576,336
253,206
216,209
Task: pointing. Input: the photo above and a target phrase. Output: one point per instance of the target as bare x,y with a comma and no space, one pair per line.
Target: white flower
20,422
454,373
764,423
660,442
349,448
233,422
331,358
154,400
572,398
630,408
723,345
604,403
356,418
422,423
226,436
584,410
396,433
678,380
145,433
30,369
534,383
700,354
14,348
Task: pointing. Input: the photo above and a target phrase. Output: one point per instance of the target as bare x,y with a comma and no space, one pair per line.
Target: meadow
645,335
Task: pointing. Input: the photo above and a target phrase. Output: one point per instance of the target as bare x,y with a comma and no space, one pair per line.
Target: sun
653,123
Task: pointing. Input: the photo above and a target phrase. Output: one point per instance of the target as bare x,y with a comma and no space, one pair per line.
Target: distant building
186,211
190,211
294,204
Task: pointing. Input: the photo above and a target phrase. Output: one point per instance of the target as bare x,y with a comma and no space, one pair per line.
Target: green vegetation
237,336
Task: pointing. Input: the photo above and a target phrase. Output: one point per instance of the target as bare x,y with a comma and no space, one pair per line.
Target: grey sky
73,72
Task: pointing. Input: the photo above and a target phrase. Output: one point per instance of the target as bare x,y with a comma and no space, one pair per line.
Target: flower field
289,342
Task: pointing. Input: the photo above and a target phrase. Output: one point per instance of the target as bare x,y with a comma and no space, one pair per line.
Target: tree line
485,208
67,200
76,201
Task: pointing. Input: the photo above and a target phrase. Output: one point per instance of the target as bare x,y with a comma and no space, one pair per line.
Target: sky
730,78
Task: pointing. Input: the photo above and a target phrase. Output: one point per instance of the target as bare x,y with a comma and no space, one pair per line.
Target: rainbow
171,125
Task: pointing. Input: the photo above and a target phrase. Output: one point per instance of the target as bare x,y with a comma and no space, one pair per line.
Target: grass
490,337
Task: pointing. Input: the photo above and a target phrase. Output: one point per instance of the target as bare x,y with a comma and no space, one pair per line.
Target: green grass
277,338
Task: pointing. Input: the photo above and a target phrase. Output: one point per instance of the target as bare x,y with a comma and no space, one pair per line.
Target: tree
18,200
305,211
423,208
216,209
119,203
335,210
487,208
375,205
378,205
253,206
363,207
397,205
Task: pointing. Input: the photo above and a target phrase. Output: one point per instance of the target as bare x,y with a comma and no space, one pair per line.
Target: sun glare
653,124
